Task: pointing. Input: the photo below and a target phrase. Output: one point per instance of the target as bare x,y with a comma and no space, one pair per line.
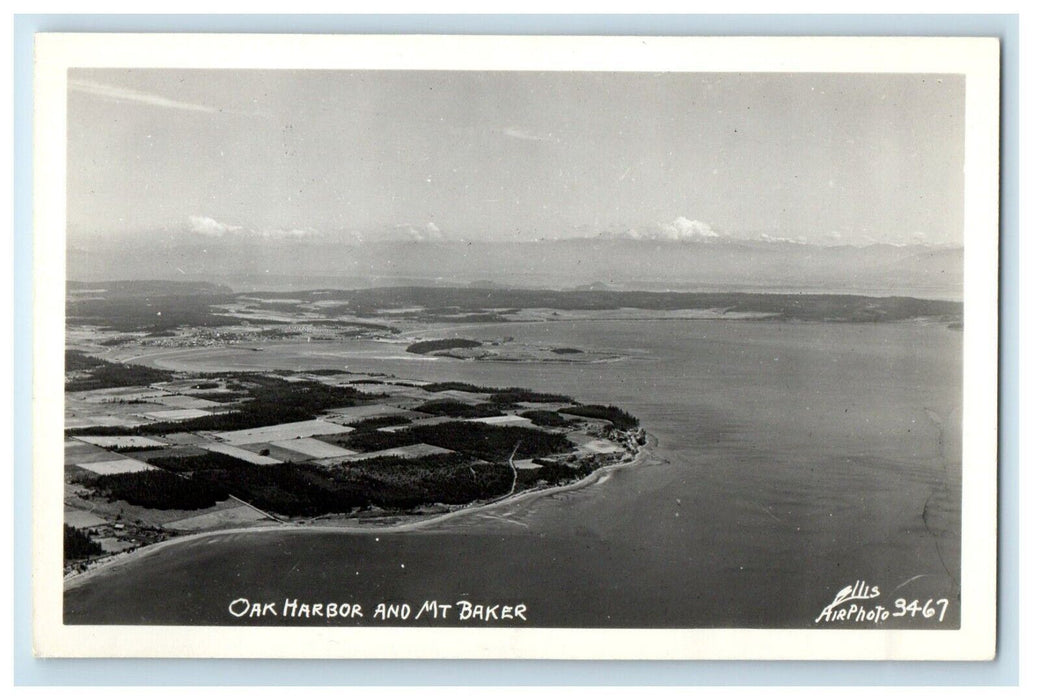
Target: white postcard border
977,59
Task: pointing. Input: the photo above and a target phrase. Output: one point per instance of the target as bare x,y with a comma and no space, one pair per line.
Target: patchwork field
116,466
120,395
77,452
407,452
285,431
526,464
82,518
229,517
502,420
313,448
122,441
354,414
433,420
182,401
210,451
238,453
177,414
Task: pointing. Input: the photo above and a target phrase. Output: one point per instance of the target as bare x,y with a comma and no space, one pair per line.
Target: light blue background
1004,671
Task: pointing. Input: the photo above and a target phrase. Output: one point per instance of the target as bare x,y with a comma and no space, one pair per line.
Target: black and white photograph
468,346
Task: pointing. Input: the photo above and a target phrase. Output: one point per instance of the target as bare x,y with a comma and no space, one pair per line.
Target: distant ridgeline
135,288
333,261
157,306
807,307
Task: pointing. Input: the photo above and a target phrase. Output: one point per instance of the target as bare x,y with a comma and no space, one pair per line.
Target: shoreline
161,357
412,523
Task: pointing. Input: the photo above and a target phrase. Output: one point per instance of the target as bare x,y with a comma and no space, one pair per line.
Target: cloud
210,227
123,94
680,229
800,240
427,232
524,135
683,229
286,232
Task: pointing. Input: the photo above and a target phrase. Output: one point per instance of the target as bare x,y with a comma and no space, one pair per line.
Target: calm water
794,459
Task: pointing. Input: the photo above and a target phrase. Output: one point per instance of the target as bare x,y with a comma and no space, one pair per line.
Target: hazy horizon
314,262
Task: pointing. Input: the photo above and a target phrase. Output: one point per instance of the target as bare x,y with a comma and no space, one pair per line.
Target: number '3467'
914,607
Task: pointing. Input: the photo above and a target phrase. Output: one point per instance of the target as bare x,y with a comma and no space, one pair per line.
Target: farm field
146,463
285,431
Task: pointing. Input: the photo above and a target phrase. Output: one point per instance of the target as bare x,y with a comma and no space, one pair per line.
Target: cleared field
242,515
82,518
77,452
313,448
602,447
269,449
177,414
116,466
121,441
354,414
435,420
238,453
284,431
407,451
184,439
535,406
188,385
466,397
114,544
178,401
134,393
392,390
97,408
407,403
80,421
525,464
169,451
501,420
332,379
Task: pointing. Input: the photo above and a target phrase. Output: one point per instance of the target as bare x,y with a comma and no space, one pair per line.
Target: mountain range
625,261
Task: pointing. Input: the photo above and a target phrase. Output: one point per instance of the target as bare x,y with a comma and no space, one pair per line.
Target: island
152,454
191,408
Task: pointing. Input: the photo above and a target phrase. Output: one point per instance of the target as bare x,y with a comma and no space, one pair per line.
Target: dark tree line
546,419
426,346
271,401
499,395
157,488
458,409
621,419
79,545
108,375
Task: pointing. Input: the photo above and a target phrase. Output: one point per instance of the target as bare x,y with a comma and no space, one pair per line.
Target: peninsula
152,454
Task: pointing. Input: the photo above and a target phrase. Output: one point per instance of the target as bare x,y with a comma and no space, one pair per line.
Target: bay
792,459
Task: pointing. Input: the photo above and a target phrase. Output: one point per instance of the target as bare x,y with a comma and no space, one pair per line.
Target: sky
815,158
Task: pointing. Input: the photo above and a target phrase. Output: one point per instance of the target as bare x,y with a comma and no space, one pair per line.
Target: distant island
158,308
426,346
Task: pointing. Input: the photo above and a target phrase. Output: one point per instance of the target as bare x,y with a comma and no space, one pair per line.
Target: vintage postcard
515,347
